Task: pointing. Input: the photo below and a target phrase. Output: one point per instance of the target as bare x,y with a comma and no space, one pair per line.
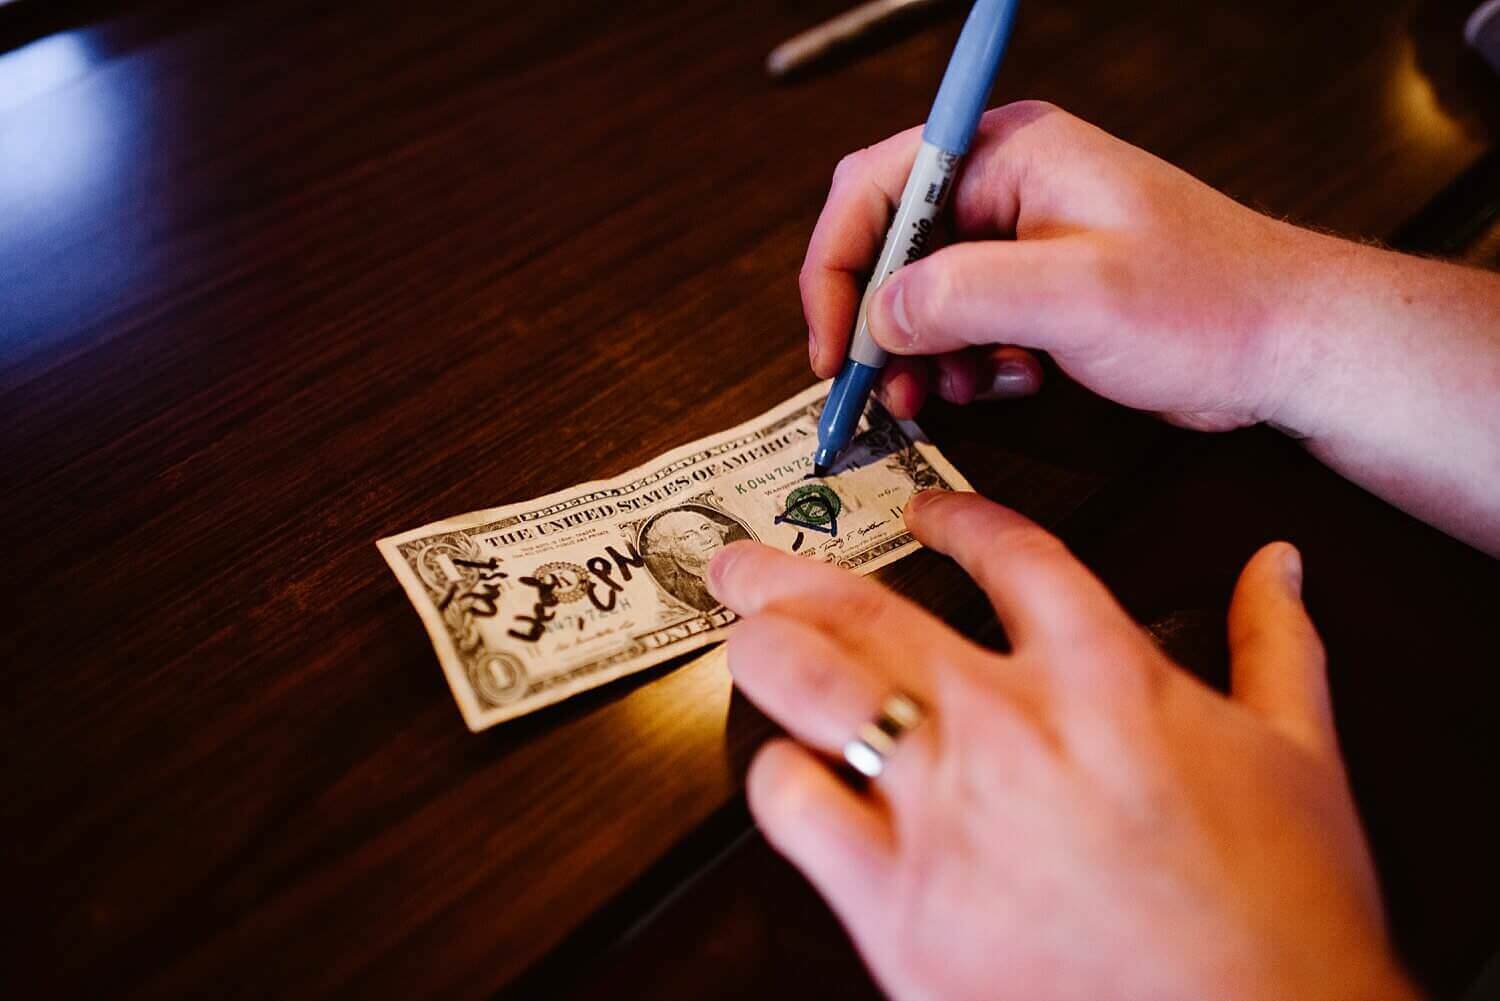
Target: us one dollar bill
530,603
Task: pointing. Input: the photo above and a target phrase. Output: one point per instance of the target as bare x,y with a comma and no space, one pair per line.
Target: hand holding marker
945,140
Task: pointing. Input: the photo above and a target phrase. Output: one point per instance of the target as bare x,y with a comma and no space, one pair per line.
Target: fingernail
812,348
1010,379
718,572
922,500
946,388
1291,568
898,313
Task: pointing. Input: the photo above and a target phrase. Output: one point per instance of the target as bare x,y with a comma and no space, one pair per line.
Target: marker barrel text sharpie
945,139
910,237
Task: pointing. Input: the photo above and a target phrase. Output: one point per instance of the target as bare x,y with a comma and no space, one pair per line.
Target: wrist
1324,296
1387,367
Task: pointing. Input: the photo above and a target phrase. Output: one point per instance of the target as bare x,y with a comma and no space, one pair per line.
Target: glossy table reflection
277,279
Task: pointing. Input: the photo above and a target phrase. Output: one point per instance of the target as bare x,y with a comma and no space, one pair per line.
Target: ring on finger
874,742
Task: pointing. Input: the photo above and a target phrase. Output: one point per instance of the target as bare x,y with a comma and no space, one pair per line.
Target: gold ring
872,745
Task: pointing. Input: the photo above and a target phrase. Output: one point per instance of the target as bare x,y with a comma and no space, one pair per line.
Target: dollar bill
530,603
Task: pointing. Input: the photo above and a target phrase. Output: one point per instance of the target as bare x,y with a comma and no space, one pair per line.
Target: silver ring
875,741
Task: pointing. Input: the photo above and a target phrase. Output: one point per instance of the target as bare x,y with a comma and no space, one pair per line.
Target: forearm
1388,367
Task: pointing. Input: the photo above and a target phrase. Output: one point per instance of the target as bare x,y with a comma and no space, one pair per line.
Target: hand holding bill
1078,817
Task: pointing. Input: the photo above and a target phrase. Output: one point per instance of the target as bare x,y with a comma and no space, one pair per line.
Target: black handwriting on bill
541,612
604,570
600,567
480,599
609,574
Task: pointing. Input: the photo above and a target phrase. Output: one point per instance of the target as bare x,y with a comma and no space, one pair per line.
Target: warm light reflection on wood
1414,103
699,704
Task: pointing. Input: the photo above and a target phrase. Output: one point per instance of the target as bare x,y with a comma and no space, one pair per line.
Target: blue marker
945,140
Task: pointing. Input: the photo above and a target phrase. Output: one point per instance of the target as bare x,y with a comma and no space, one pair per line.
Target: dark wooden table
278,278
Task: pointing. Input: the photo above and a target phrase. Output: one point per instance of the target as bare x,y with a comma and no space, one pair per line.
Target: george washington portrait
677,545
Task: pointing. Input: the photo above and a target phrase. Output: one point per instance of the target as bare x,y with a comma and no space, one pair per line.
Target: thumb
1276,658
1030,293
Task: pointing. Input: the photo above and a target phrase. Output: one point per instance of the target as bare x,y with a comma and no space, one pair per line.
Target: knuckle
1029,108
1029,542
1007,118
807,278
849,168
818,681
867,604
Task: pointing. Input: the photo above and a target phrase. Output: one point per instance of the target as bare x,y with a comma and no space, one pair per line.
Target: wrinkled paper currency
530,603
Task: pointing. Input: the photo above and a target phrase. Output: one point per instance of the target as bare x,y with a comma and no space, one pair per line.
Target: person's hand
1160,293
1078,818
1143,284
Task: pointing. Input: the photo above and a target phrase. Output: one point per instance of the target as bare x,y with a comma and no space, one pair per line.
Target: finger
1050,294
846,240
819,691
902,388
986,203
960,377
1039,590
1276,658
956,376
866,618
1011,372
841,842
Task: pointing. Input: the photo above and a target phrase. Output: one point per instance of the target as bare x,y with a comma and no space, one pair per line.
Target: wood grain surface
277,279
